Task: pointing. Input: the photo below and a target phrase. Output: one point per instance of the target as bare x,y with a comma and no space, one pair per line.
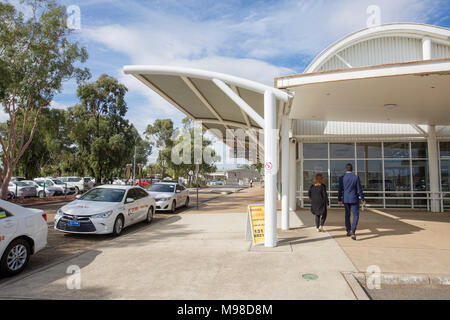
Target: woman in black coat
319,201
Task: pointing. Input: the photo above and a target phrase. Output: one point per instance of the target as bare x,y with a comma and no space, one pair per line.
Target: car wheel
41,194
174,207
118,226
77,190
15,258
186,204
150,213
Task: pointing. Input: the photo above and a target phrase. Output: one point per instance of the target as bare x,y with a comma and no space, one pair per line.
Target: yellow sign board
256,223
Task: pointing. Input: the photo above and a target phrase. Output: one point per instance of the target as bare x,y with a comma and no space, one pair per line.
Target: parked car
75,182
89,183
42,192
106,209
65,186
144,183
21,189
169,196
23,232
59,191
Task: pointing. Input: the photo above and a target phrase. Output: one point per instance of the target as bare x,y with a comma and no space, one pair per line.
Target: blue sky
258,39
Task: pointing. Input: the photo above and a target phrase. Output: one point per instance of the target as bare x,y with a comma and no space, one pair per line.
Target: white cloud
248,42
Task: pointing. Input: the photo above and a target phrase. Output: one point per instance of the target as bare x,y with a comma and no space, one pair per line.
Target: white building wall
376,51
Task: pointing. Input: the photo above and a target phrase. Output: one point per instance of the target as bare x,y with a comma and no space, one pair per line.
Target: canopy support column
293,176
434,169
271,169
285,179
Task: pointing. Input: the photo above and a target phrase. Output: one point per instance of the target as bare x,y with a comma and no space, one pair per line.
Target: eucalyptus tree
36,58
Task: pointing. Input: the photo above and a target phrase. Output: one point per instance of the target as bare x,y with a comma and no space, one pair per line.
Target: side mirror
130,200
78,196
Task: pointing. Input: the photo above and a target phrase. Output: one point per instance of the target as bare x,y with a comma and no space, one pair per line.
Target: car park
66,188
21,189
75,182
169,196
107,209
43,189
59,191
23,232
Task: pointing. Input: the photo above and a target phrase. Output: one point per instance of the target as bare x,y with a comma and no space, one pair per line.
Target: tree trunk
7,173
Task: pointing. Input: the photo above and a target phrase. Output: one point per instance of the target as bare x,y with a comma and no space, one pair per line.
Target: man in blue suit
349,195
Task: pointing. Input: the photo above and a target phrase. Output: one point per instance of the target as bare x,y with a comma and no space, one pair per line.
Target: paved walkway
198,256
398,241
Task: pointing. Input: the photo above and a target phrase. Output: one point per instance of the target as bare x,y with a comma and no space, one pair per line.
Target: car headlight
162,199
59,213
103,215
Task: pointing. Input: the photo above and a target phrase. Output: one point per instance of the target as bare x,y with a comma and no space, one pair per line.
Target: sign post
255,224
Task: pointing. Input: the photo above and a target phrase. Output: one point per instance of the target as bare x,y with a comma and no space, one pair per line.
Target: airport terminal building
378,98
390,149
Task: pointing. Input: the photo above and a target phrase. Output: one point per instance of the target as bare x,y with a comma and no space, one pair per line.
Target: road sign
255,224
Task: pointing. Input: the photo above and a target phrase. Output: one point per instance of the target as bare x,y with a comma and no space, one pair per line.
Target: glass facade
444,149
392,174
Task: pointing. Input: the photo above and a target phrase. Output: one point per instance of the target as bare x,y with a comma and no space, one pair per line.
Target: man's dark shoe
349,233
353,236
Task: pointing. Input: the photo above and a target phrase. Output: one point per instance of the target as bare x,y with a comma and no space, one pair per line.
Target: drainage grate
310,276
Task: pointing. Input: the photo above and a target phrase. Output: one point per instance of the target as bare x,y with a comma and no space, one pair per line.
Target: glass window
162,188
337,170
104,195
421,177
370,173
132,194
4,213
342,150
368,150
445,180
445,148
315,150
419,150
397,175
445,175
396,150
311,168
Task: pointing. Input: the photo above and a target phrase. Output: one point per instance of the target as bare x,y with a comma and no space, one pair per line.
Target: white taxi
169,196
106,209
23,232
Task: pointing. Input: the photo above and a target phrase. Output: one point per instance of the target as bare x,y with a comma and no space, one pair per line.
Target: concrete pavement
198,256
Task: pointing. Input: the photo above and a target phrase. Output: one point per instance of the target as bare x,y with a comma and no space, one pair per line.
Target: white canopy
413,93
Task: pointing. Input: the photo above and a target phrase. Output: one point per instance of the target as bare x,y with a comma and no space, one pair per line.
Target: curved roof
410,31
219,101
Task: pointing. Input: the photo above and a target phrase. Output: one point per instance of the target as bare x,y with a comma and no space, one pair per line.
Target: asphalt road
409,293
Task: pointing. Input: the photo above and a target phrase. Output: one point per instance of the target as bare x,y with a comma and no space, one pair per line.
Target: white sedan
23,232
106,209
169,196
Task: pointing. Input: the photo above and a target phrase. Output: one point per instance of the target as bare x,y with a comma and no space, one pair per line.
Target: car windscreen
162,188
41,184
56,181
21,184
104,195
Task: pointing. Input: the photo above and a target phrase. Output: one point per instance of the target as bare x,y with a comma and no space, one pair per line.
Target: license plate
74,223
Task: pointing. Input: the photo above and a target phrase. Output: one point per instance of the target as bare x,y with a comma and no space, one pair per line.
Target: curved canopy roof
219,101
375,44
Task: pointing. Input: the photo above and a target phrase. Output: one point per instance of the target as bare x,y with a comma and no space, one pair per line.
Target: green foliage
104,138
36,57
